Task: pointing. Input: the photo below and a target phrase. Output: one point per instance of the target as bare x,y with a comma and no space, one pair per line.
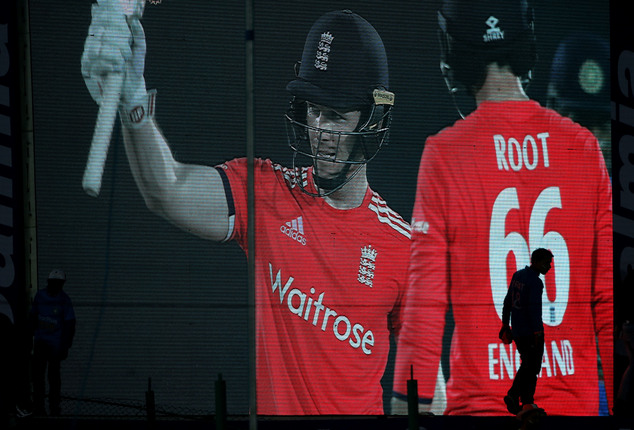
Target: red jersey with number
329,288
510,178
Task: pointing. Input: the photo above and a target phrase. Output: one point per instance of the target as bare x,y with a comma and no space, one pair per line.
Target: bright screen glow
155,301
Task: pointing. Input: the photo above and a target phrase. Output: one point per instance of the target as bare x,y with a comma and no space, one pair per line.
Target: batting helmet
343,67
474,33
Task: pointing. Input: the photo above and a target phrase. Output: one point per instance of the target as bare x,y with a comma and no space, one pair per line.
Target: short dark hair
541,254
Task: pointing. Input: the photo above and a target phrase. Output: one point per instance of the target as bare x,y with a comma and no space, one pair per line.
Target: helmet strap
331,185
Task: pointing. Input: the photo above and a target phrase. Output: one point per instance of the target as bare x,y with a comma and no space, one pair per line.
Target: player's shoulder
488,115
564,124
525,270
290,177
269,171
462,130
388,219
265,164
449,132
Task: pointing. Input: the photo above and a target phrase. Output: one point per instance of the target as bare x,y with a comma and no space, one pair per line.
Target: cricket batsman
331,256
509,178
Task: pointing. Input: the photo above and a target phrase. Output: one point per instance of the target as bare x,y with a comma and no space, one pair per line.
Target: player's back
510,178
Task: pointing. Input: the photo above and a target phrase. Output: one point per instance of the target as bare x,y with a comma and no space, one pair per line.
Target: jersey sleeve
426,303
396,315
234,177
602,289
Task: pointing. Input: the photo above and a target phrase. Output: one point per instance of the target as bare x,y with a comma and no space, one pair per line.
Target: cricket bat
104,125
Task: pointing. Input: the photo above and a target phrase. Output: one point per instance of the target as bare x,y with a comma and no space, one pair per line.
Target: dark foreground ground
320,423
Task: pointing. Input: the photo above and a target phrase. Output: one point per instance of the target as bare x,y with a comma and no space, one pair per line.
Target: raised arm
190,196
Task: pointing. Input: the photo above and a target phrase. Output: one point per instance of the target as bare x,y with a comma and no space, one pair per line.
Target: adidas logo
294,229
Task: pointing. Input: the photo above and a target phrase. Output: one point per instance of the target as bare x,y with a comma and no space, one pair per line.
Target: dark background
151,300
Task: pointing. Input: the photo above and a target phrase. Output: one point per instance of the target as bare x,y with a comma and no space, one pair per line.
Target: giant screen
155,301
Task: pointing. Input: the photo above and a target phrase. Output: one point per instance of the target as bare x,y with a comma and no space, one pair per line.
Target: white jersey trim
387,216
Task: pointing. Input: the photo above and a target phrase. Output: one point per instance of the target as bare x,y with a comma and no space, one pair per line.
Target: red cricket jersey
327,280
510,178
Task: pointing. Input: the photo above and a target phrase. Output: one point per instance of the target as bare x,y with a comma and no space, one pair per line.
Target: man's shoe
531,413
529,407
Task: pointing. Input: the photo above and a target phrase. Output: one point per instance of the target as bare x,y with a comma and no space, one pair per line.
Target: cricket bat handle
102,133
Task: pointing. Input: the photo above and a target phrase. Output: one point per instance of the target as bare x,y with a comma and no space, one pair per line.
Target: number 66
500,245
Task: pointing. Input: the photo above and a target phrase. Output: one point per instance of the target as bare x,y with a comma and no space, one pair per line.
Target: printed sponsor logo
295,230
307,305
493,32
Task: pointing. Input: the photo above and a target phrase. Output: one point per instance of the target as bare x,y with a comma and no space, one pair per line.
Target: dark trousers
531,349
45,356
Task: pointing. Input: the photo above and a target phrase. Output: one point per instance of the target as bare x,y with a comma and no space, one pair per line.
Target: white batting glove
137,104
116,44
